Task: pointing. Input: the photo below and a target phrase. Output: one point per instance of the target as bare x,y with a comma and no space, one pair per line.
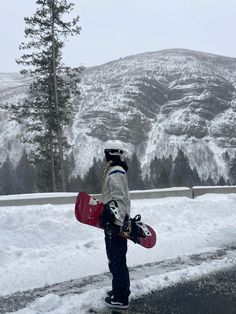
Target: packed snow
44,244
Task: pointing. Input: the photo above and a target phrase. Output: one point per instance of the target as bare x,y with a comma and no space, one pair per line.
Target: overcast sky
117,28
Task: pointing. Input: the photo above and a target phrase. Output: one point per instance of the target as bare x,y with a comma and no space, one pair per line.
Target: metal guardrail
158,193
70,198
38,199
200,190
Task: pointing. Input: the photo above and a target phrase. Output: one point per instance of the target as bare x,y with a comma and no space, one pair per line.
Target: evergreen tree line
164,173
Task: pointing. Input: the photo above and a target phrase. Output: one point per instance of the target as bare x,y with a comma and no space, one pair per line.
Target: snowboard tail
88,210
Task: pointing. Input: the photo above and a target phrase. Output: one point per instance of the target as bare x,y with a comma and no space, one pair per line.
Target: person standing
115,188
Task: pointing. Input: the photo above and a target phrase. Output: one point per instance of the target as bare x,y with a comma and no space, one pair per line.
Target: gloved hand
107,217
136,233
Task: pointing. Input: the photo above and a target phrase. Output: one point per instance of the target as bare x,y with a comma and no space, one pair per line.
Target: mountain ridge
156,103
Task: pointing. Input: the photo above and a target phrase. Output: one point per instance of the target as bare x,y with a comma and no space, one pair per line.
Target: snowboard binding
138,229
132,228
111,214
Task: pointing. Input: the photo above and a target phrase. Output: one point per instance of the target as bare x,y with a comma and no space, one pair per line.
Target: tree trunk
54,187
58,130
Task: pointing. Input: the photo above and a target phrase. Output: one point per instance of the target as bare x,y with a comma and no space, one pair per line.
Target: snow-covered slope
44,244
158,102
13,88
161,101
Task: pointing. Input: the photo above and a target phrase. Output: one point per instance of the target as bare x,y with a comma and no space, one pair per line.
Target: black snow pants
116,248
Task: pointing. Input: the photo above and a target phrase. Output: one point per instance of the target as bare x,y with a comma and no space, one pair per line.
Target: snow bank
93,299
45,244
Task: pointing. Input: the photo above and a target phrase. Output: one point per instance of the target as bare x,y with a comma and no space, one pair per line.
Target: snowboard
88,210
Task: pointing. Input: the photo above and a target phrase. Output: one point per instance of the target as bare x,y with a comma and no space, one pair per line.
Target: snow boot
114,303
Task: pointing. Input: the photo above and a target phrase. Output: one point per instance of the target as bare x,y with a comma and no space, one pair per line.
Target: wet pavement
214,294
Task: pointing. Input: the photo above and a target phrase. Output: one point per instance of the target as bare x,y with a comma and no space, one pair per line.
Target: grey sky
117,28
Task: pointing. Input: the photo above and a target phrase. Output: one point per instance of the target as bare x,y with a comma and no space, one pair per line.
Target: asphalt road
214,294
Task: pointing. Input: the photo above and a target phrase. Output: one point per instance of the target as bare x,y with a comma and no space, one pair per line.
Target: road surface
214,294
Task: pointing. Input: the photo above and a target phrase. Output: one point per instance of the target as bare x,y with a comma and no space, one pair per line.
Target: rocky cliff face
159,102
13,88
156,103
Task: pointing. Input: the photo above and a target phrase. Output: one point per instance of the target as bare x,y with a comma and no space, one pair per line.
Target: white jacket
115,187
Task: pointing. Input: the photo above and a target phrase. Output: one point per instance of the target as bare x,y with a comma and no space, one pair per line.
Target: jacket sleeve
119,192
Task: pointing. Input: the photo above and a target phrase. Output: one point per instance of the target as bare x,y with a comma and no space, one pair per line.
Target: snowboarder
115,187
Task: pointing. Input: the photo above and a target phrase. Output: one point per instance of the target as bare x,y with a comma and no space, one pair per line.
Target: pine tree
232,171
24,175
74,184
221,181
209,182
155,168
93,178
195,178
7,178
46,113
166,172
182,173
147,182
135,174
161,172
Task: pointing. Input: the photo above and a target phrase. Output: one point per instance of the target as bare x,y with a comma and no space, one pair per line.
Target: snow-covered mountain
156,102
13,88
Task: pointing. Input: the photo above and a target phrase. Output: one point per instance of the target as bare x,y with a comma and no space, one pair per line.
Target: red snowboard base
88,211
